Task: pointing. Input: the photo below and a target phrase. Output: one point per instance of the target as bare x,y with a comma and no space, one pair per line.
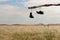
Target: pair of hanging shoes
38,12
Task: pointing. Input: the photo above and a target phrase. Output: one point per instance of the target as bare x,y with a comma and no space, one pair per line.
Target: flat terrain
41,32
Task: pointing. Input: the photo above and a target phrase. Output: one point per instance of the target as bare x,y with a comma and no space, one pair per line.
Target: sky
17,12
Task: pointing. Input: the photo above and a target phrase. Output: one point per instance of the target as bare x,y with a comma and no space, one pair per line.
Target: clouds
10,15
17,3
3,0
13,11
6,9
40,2
10,10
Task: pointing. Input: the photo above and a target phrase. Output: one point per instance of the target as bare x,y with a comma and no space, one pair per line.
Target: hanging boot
31,16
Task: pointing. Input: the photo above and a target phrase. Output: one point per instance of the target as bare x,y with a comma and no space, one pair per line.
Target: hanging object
40,12
39,6
31,16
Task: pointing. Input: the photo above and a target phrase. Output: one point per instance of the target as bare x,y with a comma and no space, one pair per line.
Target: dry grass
30,32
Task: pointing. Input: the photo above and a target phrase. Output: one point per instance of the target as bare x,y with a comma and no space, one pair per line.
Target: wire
45,5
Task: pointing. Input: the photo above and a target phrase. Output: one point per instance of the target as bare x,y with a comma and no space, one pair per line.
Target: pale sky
16,12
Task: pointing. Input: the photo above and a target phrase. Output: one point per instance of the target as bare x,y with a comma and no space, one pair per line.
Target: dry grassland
43,32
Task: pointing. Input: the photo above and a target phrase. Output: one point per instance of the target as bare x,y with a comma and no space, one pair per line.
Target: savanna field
41,32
